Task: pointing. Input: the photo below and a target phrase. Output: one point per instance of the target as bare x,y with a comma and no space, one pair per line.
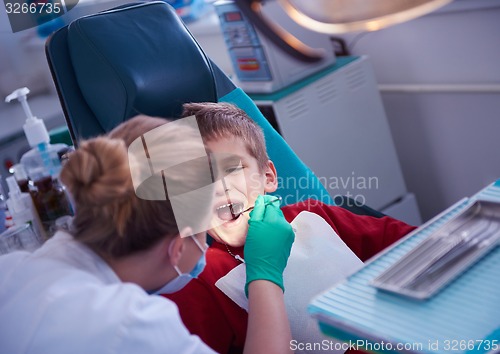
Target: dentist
86,290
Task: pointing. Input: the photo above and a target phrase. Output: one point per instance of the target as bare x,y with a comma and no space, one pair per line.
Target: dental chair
141,59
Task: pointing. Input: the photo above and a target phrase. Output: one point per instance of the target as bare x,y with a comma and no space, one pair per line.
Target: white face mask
183,279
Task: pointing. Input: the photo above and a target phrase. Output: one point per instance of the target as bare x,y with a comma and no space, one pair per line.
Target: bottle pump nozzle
34,128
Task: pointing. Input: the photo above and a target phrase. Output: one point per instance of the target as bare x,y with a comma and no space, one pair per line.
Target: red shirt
220,323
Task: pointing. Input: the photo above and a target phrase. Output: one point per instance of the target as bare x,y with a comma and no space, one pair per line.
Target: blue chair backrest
141,58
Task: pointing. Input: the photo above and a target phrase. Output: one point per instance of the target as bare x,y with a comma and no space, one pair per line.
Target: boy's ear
271,183
175,249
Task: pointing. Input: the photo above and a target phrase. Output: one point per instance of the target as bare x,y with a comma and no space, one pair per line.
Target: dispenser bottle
21,178
42,153
23,210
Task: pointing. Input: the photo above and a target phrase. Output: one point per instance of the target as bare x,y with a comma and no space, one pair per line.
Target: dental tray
445,254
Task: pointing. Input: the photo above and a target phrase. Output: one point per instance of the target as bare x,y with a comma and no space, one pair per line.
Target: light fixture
333,17
340,16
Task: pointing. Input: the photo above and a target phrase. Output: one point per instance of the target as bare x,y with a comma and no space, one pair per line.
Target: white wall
447,143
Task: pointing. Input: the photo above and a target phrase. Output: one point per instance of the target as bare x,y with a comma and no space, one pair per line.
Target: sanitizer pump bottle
42,153
23,209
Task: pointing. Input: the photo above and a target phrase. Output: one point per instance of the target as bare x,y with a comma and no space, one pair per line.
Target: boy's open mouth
230,211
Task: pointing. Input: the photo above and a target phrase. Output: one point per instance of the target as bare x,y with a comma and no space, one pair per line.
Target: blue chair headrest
123,60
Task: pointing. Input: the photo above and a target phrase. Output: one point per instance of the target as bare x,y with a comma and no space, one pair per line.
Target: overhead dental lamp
334,17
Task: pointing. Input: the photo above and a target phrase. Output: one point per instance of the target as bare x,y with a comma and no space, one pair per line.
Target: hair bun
98,172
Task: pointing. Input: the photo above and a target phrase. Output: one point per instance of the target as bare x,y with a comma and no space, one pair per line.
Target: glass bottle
51,203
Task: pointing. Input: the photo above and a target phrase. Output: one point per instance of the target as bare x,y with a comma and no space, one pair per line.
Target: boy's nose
221,187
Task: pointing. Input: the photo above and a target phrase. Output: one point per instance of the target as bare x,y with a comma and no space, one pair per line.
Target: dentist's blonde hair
109,217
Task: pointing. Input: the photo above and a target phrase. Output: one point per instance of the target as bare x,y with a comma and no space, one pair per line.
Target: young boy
239,151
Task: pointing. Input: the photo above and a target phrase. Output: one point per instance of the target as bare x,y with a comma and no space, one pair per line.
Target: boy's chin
233,236
235,241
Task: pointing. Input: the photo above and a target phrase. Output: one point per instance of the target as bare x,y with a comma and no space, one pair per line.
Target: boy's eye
233,169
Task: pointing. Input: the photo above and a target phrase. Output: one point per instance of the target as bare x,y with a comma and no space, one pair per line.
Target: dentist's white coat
65,299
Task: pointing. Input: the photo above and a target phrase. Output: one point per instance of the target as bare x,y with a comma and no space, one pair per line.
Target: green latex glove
268,244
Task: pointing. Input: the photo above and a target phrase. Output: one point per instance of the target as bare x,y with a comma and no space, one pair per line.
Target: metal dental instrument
459,250
237,215
445,254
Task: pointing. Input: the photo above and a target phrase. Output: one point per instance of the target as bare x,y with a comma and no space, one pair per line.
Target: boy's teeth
224,212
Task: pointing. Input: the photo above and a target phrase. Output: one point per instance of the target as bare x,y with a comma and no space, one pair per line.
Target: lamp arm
290,44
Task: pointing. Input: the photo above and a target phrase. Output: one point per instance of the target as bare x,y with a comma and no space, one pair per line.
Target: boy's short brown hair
224,120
